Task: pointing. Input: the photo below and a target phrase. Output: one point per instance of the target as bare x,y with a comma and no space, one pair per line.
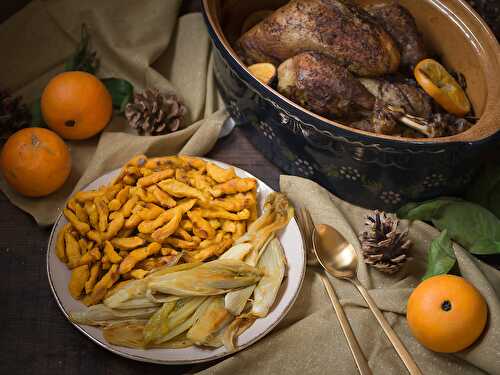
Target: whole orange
446,313
35,161
76,105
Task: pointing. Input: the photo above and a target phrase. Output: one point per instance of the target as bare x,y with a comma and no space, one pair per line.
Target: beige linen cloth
309,340
144,42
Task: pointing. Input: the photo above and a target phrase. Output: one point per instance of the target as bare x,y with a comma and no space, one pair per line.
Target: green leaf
84,59
37,120
404,212
425,210
469,224
485,190
441,258
485,246
121,92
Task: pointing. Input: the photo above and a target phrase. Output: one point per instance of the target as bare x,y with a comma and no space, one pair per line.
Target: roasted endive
207,304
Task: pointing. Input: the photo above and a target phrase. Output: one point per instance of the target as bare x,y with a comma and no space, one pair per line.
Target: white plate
291,239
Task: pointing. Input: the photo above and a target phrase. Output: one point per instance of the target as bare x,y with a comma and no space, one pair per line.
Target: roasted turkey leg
337,28
400,24
317,83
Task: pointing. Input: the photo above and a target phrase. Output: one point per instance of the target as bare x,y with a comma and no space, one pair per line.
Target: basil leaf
470,224
441,257
121,92
37,120
485,190
425,210
485,246
84,59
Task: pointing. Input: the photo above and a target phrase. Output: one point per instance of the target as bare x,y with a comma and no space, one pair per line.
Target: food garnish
444,89
264,72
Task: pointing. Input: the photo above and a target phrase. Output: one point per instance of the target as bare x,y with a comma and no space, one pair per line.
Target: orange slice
442,87
264,72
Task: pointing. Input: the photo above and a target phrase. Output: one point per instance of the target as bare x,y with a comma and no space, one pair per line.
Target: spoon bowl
337,256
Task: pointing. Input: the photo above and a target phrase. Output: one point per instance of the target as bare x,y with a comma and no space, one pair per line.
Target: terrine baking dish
374,171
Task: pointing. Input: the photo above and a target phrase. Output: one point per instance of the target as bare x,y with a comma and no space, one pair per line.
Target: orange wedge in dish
264,72
442,87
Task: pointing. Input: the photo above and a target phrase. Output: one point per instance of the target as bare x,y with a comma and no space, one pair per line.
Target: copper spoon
339,258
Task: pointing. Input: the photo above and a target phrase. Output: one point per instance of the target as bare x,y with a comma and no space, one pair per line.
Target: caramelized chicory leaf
157,325
211,278
441,257
273,265
126,334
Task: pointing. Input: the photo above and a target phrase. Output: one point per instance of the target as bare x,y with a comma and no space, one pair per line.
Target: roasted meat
337,28
317,83
404,97
400,24
409,98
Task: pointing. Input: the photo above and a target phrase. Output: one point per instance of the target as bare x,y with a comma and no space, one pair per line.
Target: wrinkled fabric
309,340
144,42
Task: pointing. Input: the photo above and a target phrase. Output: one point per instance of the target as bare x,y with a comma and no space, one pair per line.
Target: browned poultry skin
337,28
317,83
400,24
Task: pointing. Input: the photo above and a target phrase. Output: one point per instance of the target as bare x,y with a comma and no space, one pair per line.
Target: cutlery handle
393,337
356,351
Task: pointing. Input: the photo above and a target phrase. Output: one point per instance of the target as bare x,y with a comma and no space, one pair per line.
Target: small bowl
374,171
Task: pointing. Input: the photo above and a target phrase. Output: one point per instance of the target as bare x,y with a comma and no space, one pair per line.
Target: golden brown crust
337,28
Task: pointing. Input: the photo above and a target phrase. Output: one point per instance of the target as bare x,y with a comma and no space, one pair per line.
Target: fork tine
308,226
302,227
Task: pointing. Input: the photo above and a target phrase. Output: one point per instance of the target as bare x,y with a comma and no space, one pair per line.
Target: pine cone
14,115
382,245
153,113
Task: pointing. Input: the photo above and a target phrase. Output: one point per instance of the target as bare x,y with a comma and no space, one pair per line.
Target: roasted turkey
317,83
401,26
337,28
342,61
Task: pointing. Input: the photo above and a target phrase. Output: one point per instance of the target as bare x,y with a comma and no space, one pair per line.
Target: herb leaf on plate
441,257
